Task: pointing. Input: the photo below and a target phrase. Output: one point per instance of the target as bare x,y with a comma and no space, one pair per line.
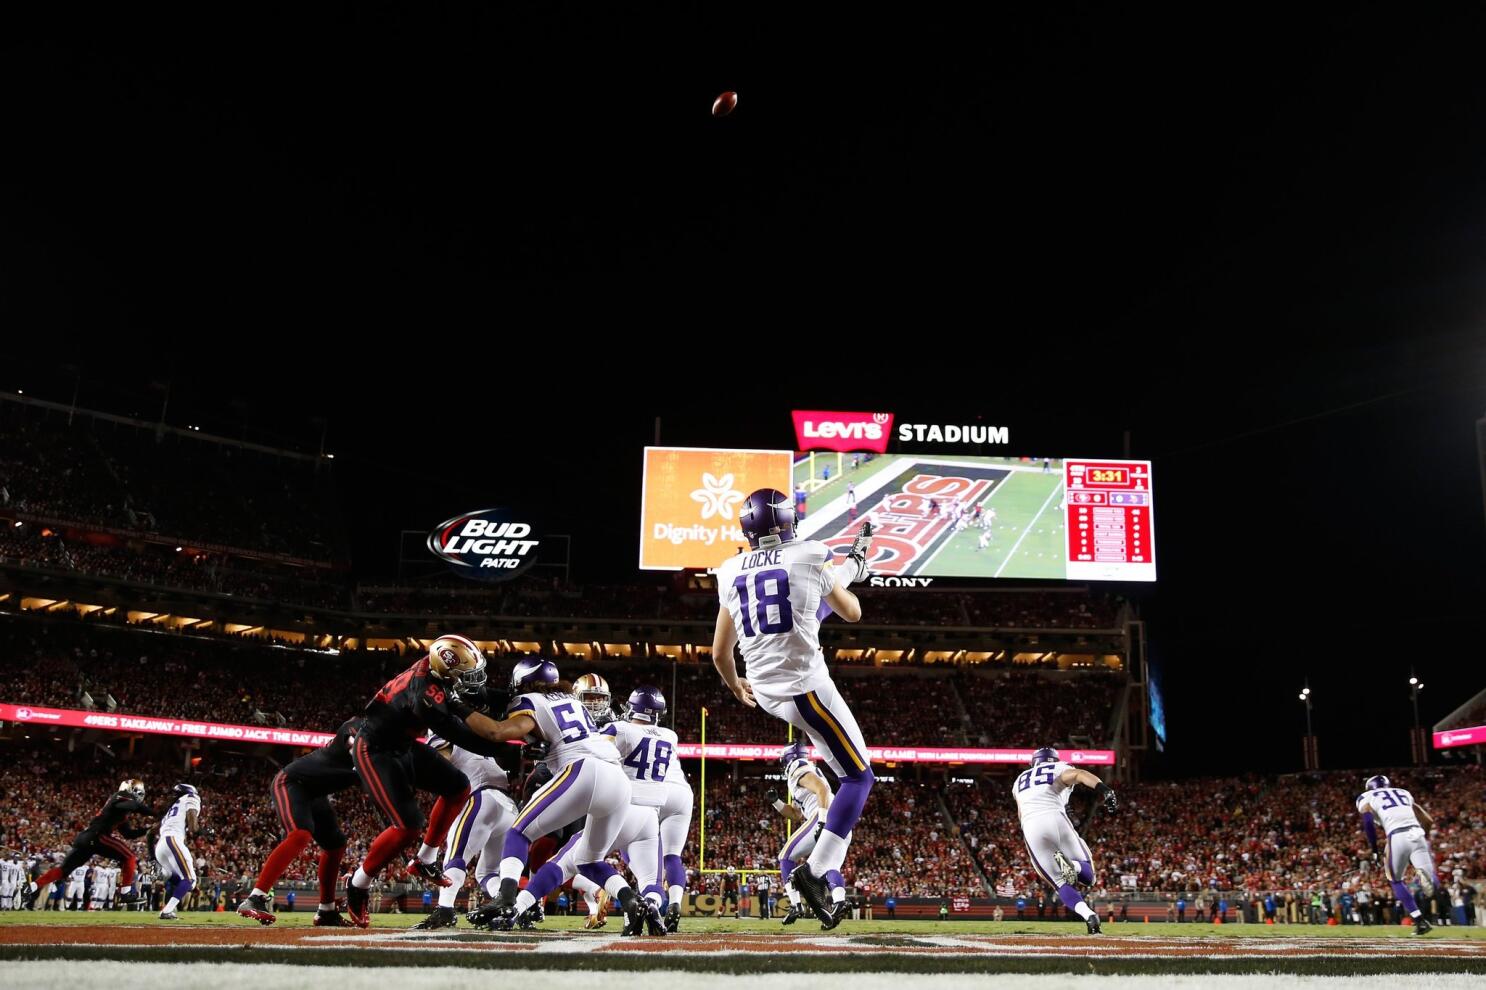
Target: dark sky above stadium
490,244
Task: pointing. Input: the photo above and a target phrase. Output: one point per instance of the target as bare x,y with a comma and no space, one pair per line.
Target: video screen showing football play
932,515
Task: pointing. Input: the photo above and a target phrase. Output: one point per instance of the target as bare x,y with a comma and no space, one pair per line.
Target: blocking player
586,782
301,798
393,764
593,691
1406,841
773,598
176,863
647,753
1059,855
812,796
478,833
98,839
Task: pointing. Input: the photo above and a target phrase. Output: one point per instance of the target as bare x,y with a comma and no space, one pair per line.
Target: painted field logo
487,545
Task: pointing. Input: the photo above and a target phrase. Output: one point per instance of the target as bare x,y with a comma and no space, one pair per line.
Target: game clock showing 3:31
1109,515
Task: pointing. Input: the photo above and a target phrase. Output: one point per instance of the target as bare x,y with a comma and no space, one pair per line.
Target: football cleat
791,916
634,908
358,903
673,919
1422,926
442,917
256,906
813,889
1067,872
493,917
429,873
169,916
595,921
839,911
332,919
655,924
1093,921
531,917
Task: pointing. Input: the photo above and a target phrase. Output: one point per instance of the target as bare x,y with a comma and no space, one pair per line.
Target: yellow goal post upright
835,459
789,830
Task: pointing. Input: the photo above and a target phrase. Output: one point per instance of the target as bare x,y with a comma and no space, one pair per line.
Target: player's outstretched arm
845,603
1425,818
505,730
787,810
1073,775
724,638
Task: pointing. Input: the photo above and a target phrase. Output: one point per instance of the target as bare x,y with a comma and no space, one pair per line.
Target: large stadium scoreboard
1109,516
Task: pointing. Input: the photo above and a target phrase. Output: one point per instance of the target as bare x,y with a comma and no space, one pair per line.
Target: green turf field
703,926
1027,540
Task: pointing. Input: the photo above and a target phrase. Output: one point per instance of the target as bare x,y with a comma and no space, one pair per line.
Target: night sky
490,244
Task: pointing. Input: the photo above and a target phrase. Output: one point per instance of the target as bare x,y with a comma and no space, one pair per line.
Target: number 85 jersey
1038,791
773,596
648,755
565,726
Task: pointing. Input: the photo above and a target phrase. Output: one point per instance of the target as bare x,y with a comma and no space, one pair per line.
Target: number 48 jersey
1394,807
773,596
565,725
648,755
1039,792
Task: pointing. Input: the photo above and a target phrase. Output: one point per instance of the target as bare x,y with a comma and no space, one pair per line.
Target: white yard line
1019,539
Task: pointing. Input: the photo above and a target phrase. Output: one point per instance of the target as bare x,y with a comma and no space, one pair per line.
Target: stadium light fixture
1413,680
19,524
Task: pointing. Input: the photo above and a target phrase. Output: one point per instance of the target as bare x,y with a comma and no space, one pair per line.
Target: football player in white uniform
1059,855
773,597
1407,842
8,883
479,831
812,802
586,783
76,883
177,866
647,751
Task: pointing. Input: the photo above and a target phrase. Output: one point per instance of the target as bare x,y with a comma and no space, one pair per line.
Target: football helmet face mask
1045,755
646,704
457,660
533,672
767,518
593,691
134,787
1376,783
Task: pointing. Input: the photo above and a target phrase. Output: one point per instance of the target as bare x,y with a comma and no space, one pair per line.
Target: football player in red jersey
98,839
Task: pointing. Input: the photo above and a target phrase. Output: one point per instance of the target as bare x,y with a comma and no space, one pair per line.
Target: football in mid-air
724,104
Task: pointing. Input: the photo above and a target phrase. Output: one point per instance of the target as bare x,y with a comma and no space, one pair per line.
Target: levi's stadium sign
193,729
485,545
844,431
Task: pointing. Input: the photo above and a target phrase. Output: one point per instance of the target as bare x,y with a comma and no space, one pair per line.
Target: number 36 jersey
648,755
565,726
773,596
1394,807
1039,792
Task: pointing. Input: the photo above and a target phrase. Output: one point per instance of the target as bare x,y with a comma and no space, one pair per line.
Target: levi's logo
842,430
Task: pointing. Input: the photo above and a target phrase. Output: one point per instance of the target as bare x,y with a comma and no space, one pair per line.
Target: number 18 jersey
565,725
773,596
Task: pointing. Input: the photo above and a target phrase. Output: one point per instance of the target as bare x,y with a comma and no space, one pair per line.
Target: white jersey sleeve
773,597
648,755
1392,806
565,725
1040,791
174,822
482,771
803,797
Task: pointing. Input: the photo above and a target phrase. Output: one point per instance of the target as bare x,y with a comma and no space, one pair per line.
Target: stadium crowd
133,476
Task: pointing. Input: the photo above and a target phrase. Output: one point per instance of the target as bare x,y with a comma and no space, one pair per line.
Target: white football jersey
1038,791
565,725
80,874
773,596
648,755
804,798
482,771
1392,806
174,822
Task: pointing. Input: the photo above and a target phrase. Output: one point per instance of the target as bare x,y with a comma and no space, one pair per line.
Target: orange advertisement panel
689,508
